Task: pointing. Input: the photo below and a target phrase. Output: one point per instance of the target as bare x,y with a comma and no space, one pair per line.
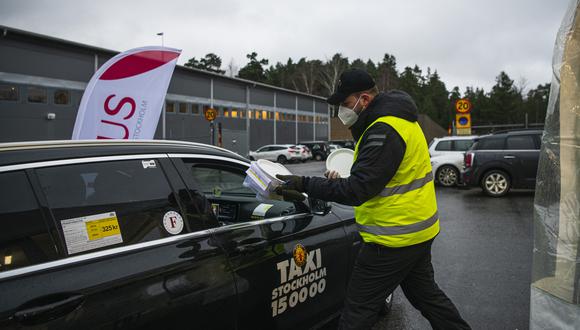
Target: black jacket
380,153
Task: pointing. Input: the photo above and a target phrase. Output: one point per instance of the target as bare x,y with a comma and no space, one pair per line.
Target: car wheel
318,157
496,183
282,159
304,160
447,176
388,306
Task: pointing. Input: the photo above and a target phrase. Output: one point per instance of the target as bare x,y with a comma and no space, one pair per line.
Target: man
391,187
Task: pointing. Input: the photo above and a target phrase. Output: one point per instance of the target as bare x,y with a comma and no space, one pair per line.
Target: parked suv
447,158
502,161
161,234
281,153
320,149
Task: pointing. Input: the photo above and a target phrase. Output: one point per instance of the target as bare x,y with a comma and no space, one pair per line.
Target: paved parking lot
482,258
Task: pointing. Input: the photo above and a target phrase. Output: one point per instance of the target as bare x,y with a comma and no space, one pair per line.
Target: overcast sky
468,42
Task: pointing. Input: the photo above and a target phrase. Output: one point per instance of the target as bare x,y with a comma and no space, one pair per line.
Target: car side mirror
319,207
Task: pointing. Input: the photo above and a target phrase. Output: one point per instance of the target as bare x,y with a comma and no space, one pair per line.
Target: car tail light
468,159
291,149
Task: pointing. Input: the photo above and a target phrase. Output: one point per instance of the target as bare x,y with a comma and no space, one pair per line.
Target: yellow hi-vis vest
405,212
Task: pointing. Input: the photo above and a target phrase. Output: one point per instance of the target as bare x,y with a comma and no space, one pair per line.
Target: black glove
292,188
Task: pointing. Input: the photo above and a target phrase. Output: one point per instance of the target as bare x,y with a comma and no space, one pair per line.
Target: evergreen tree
254,70
387,76
211,62
505,101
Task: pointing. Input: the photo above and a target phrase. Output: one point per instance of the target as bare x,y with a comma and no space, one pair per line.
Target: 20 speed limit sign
463,106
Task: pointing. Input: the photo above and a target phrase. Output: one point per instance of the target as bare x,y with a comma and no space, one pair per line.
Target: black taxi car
161,234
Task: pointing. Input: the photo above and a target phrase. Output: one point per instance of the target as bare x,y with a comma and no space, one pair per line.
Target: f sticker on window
173,222
91,232
149,163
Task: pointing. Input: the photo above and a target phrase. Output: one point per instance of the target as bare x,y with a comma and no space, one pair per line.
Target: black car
161,234
350,144
502,161
320,149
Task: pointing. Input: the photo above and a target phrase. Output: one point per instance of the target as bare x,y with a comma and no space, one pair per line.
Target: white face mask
347,115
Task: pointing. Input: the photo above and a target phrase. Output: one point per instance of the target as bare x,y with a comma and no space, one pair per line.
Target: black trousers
378,270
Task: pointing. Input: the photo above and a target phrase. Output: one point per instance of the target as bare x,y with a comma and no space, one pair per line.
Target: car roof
466,137
501,134
33,151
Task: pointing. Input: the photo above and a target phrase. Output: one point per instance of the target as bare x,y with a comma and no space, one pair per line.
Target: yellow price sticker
97,229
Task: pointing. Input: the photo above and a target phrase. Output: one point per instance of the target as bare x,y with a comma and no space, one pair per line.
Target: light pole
162,41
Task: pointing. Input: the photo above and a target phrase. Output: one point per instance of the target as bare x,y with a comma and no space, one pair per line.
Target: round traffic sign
210,114
463,106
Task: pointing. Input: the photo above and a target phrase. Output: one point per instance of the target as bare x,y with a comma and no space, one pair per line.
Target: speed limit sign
210,114
463,106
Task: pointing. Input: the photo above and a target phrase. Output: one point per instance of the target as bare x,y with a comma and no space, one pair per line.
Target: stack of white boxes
261,183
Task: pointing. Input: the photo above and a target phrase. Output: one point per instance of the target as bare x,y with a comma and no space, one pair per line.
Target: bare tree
331,72
522,85
232,69
306,75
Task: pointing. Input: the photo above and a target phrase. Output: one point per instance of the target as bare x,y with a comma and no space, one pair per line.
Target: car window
315,147
491,144
263,149
220,181
111,204
462,145
521,142
24,238
231,202
443,146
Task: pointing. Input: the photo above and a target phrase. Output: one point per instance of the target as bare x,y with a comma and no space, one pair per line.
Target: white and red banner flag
124,98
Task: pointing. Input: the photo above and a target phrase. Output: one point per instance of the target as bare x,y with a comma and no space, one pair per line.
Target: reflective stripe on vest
400,230
389,191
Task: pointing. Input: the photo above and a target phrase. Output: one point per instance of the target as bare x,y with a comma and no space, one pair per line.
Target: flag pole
163,136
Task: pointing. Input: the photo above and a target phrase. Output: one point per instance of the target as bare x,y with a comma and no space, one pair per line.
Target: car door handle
509,157
53,307
251,245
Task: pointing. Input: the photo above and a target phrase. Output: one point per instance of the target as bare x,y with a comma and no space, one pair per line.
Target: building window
250,114
242,113
226,113
234,113
264,115
36,94
195,109
62,97
169,107
8,93
182,107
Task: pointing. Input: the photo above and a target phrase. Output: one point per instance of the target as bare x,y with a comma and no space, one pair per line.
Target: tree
505,100
436,99
331,71
386,74
536,103
254,70
211,62
409,82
